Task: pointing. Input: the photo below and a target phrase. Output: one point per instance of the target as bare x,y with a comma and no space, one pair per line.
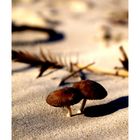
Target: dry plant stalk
26,57
74,72
43,61
98,70
123,72
124,61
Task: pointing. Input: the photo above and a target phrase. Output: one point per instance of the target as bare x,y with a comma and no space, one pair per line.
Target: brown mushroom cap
64,97
91,89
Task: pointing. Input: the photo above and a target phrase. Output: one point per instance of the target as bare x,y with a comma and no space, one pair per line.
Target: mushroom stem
69,114
82,106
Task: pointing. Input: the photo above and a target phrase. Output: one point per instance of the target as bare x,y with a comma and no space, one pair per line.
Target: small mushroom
64,97
90,90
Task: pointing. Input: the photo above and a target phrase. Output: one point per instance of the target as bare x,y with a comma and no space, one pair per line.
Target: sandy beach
80,34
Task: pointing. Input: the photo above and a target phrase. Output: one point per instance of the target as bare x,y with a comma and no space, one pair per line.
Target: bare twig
122,73
124,61
73,73
26,57
123,52
43,61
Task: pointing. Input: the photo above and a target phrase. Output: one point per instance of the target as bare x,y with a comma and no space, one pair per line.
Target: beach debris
124,60
116,71
64,97
42,61
68,96
75,72
90,90
46,61
50,60
106,71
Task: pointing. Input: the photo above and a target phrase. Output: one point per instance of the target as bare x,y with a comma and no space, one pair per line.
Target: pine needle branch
42,60
26,57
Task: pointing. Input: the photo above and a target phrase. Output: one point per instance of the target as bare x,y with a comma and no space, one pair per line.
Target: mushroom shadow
106,109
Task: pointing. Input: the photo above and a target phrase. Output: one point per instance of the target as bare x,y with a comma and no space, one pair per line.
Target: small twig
82,75
123,53
114,72
41,60
124,61
73,73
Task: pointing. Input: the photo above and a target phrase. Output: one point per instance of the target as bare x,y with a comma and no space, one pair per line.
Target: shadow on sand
21,69
53,35
106,109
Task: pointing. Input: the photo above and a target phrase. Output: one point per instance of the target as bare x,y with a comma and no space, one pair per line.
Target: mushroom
64,97
90,90
67,96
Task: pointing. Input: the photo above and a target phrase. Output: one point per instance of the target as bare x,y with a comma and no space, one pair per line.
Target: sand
107,119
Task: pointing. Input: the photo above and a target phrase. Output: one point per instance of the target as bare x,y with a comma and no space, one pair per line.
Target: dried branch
116,72
124,61
26,57
122,73
42,60
73,73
